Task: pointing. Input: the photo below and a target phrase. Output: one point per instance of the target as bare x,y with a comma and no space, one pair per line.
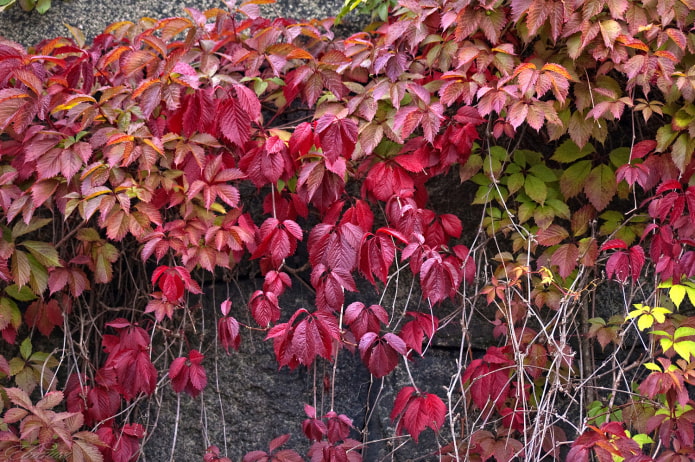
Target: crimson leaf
417,411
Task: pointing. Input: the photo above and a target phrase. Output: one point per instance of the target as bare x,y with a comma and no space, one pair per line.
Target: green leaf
543,172
103,271
536,189
526,211
515,182
619,156
27,5
482,196
43,5
470,168
660,333
22,294
664,137
544,216
16,365
573,178
25,348
4,4
677,294
666,343
26,379
569,152
492,167
21,270
499,153
641,309
683,332
561,209
659,313
685,349
681,119
645,321
652,367
600,186
39,276
642,439
597,321
41,358
44,252
9,314
682,151
88,235
691,294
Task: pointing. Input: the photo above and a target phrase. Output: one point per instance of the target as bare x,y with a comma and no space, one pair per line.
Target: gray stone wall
29,28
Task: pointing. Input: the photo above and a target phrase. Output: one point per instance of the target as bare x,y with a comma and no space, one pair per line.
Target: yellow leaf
556,68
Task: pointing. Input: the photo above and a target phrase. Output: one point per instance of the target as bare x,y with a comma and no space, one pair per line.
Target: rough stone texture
29,28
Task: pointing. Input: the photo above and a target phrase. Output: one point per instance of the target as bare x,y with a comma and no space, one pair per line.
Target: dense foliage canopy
129,168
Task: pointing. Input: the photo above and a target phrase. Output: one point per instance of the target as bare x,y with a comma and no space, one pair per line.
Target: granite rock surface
29,28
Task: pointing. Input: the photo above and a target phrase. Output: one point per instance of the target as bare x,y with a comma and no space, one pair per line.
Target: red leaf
70,276
489,377
276,282
173,280
233,121
376,256
313,428
225,307
161,307
338,136
636,261
212,454
129,359
300,342
44,316
136,373
121,445
552,235
439,278
363,319
642,148
417,411
338,426
319,185
102,404
565,258
669,185
302,139
414,332
268,162
613,244
330,285
387,179
248,101
187,374
228,333
633,173
265,307
178,374
381,355
278,240
624,264
359,214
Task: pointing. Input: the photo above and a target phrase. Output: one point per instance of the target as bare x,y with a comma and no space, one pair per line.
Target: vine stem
335,360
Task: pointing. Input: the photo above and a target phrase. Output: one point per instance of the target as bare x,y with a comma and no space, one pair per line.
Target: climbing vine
130,175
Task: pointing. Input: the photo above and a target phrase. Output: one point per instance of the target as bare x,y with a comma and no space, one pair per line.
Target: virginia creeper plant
129,166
